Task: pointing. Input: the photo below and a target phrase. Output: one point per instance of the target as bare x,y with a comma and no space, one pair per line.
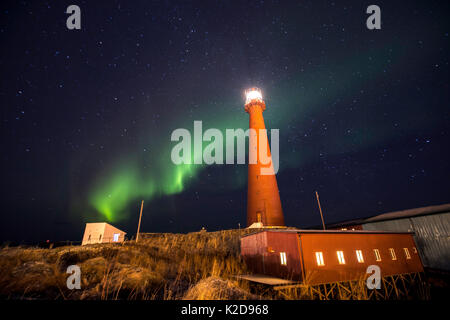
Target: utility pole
320,209
139,224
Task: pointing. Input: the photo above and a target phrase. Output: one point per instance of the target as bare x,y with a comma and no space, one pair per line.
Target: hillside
164,266
198,265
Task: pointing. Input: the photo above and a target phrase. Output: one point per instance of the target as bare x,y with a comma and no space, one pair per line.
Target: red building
319,257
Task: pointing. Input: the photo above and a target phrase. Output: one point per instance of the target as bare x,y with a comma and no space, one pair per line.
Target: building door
258,217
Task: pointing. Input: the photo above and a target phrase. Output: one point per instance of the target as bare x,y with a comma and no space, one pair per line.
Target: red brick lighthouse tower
263,198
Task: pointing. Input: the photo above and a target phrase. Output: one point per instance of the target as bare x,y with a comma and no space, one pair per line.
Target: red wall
287,243
253,247
332,271
261,252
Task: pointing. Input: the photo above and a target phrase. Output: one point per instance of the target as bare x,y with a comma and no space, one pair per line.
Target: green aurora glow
116,188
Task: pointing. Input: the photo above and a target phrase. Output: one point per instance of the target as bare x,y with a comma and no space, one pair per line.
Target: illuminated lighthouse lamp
252,94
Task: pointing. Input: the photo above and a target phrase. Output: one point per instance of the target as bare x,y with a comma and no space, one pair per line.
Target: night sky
86,115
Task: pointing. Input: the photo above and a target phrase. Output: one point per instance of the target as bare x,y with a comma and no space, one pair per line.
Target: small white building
102,232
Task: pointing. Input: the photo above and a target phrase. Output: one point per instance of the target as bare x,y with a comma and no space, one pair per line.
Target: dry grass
214,288
200,265
161,266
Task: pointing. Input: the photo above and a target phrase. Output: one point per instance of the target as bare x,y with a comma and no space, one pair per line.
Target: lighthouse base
260,225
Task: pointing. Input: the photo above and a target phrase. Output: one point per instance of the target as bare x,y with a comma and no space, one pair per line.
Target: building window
340,255
408,256
89,239
415,249
319,259
392,252
377,254
100,238
359,256
283,258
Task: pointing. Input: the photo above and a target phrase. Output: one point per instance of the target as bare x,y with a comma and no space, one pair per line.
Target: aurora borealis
87,115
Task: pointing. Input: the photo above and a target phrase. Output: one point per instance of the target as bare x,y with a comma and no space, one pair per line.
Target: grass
194,266
197,265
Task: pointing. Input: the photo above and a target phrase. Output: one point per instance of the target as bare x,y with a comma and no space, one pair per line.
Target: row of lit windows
360,257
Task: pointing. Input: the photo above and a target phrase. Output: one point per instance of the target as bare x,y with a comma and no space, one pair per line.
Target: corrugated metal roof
395,215
410,213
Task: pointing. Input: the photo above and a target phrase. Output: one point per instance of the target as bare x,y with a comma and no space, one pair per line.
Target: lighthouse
263,198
